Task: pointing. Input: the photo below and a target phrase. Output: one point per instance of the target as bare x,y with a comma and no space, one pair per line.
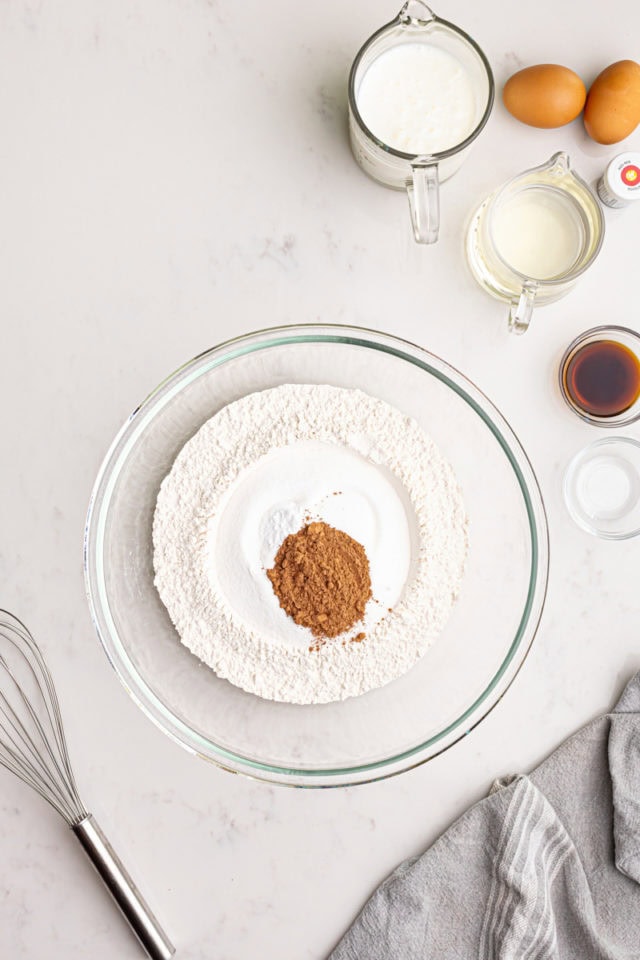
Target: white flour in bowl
257,471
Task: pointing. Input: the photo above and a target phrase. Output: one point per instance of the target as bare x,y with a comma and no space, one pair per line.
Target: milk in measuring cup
417,98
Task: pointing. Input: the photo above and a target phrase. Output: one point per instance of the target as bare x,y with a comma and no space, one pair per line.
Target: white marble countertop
175,172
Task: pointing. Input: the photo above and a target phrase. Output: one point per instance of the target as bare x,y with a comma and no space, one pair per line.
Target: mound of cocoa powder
321,579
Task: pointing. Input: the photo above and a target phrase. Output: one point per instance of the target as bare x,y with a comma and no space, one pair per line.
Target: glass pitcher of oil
528,242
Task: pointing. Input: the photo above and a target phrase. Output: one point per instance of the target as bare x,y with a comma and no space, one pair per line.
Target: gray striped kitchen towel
547,867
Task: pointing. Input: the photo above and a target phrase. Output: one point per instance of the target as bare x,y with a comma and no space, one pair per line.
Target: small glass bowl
602,488
622,335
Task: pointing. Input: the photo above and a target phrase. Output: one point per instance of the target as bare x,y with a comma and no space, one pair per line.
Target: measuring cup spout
424,201
416,13
560,163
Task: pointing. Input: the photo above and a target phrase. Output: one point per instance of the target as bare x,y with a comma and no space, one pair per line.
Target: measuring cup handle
520,312
424,201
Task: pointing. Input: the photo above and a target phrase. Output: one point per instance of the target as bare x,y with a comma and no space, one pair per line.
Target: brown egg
546,95
612,110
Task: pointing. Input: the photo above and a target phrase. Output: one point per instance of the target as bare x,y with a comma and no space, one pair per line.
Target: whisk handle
123,889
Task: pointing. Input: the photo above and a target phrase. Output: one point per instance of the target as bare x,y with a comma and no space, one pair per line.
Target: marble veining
174,173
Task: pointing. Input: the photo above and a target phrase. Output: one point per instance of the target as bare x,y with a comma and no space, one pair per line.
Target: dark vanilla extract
603,378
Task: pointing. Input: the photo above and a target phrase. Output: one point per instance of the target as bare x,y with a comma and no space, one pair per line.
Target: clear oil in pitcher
541,229
538,232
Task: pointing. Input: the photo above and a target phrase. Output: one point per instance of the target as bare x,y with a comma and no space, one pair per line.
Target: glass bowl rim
115,458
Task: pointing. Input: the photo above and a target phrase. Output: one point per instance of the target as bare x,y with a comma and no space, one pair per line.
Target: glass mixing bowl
386,731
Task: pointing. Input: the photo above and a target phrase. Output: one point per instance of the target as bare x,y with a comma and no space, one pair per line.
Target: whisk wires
32,741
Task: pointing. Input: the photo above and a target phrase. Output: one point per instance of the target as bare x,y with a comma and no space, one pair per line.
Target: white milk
538,233
418,99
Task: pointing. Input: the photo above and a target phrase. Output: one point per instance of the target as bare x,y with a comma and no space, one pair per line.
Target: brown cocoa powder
321,579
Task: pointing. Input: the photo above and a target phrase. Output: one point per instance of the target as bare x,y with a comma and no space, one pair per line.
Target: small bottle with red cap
619,185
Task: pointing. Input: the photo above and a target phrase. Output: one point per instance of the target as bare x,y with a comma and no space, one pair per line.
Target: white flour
220,517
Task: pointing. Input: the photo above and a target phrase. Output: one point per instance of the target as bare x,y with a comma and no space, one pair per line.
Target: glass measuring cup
419,174
528,242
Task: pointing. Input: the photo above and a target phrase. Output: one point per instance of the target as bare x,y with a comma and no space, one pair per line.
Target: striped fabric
532,846
547,867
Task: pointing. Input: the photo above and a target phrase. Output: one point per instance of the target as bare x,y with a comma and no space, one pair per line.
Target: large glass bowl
384,732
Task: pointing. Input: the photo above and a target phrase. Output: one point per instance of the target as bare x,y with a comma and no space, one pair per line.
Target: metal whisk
33,746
